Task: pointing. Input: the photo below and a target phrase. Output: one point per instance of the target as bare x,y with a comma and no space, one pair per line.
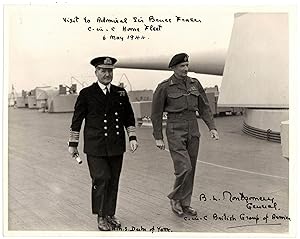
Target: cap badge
107,61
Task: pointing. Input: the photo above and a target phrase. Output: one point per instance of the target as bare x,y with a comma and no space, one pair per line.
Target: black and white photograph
155,120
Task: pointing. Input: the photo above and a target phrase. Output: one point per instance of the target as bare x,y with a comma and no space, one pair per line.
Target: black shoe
189,210
176,207
113,221
102,224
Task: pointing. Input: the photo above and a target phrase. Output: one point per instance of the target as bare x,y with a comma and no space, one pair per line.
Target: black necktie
106,90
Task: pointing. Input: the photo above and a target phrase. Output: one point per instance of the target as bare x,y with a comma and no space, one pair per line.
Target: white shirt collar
103,87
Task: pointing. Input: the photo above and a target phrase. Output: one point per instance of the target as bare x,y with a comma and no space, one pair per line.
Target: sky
48,45
45,48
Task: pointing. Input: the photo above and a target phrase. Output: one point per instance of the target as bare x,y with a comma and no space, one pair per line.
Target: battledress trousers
183,139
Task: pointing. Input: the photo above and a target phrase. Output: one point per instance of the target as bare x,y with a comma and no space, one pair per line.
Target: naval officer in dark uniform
181,96
107,113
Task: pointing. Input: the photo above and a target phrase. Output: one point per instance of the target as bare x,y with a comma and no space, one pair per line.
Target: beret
178,58
104,62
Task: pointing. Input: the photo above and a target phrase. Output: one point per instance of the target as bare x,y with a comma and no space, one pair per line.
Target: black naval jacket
105,118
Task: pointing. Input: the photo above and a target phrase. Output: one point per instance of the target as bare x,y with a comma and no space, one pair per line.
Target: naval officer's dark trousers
105,173
183,138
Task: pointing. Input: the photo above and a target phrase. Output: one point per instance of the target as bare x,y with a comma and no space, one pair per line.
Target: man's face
104,75
181,69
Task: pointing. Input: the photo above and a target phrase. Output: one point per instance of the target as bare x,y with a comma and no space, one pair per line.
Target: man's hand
73,150
214,134
160,144
133,145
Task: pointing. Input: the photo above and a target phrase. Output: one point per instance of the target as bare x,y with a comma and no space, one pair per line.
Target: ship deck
49,191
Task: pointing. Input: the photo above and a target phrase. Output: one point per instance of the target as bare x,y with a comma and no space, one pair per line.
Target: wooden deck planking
41,171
